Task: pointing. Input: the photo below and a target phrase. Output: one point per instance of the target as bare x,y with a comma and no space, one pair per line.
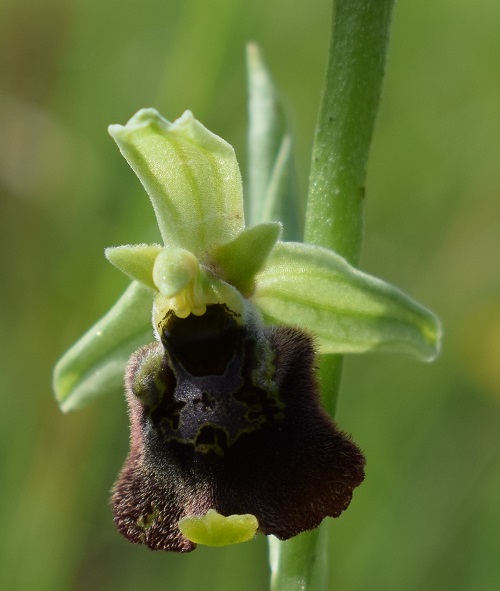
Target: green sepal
238,261
191,176
213,529
347,310
135,260
95,364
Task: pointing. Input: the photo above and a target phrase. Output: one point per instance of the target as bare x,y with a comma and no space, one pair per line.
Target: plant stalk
334,215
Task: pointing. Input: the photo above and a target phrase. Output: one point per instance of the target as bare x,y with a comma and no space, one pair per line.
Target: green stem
345,126
300,563
334,216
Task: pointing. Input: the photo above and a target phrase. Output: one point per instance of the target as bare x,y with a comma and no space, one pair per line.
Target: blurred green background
427,516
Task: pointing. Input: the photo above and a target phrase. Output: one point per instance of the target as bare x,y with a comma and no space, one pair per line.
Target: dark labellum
226,415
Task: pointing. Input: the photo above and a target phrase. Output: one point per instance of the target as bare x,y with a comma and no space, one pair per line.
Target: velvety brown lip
249,437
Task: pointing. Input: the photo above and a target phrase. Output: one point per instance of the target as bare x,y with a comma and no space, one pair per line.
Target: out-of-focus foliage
427,516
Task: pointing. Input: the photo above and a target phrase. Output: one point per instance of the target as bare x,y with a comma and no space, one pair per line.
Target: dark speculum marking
227,416
203,345
212,381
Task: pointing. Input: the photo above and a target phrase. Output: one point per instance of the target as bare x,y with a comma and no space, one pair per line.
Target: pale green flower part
191,176
95,363
213,529
136,261
209,257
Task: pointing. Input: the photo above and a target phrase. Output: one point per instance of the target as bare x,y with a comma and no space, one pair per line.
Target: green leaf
238,261
136,261
191,176
348,310
95,364
282,196
272,183
213,529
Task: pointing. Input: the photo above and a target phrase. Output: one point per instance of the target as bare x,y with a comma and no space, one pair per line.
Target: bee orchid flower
228,434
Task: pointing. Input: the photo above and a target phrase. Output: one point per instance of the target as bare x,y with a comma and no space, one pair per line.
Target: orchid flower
218,336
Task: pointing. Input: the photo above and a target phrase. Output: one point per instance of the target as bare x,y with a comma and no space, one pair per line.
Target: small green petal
95,364
348,311
191,176
238,261
136,261
214,529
